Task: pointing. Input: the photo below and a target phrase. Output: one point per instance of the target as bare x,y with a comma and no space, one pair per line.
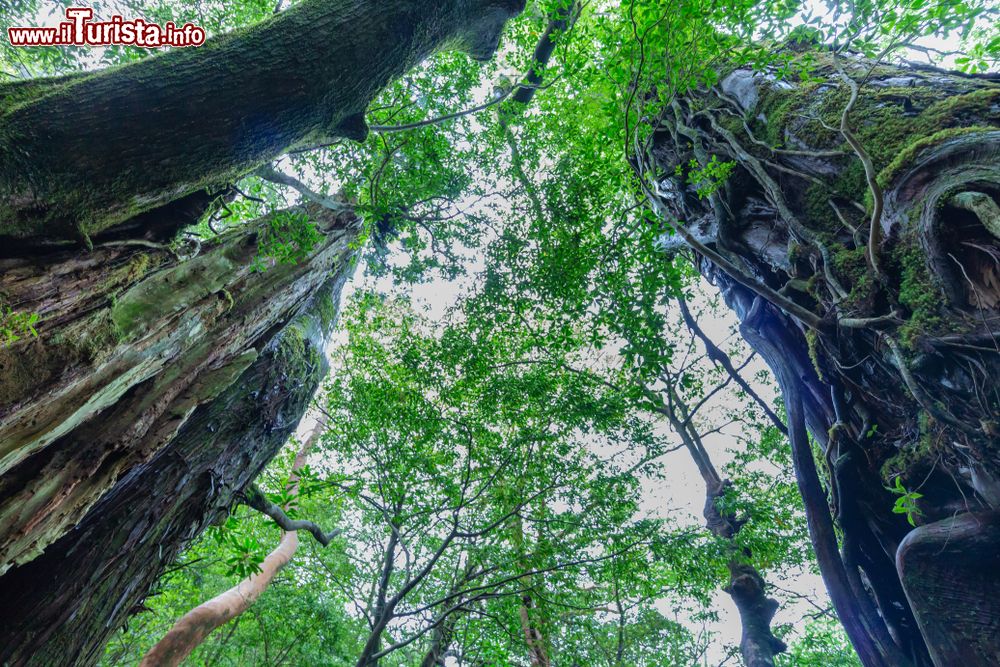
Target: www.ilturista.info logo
79,30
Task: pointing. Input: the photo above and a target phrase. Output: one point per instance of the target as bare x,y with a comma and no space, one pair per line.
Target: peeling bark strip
80,154
895,377
191,629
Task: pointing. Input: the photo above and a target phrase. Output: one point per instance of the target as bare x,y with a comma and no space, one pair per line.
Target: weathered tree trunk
84,153
132,341
158,387
204,391
894,372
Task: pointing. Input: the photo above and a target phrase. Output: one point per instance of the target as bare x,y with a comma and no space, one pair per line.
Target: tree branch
255,498
269,174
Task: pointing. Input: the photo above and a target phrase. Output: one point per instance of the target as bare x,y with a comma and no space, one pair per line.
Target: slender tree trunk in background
747,587
534,639
441,639
158,387
895,375
444,634
191,629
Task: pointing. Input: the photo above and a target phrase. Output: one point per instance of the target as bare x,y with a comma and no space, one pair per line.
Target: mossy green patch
918,292
851,267
913,461
174,289
892,123
907,155
812,345
297,346
818,211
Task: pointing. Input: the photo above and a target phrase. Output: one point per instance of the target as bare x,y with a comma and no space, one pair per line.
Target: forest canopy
482,332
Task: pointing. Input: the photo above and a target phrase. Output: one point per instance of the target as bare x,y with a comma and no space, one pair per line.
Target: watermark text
80,30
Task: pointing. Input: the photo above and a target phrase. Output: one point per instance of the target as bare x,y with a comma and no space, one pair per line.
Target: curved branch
270,174
388,129
878,201
721,358
256,499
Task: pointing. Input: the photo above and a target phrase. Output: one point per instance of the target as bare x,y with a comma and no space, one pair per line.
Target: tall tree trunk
894,372
132,341
83,153
441,639
159,386
166,457
191,629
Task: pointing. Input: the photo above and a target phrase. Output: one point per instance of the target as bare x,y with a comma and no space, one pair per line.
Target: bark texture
893,372
132,341
113,501
80,154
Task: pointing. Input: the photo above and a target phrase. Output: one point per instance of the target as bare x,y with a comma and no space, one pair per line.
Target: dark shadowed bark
893,371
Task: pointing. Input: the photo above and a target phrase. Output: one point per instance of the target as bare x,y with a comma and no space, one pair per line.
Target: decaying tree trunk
194,396
133,340
892,363
163,380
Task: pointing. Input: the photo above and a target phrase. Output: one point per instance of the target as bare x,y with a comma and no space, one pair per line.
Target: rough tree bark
191,629
122,492
894,372
83,153
160,385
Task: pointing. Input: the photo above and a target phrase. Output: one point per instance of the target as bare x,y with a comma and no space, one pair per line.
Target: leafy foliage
287,238
16,325
906,503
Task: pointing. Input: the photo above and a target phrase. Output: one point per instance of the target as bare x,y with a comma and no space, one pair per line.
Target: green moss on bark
918,292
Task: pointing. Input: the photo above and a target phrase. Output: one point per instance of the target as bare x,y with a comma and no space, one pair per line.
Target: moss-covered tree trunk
141,417
159,385
80,154
893,368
